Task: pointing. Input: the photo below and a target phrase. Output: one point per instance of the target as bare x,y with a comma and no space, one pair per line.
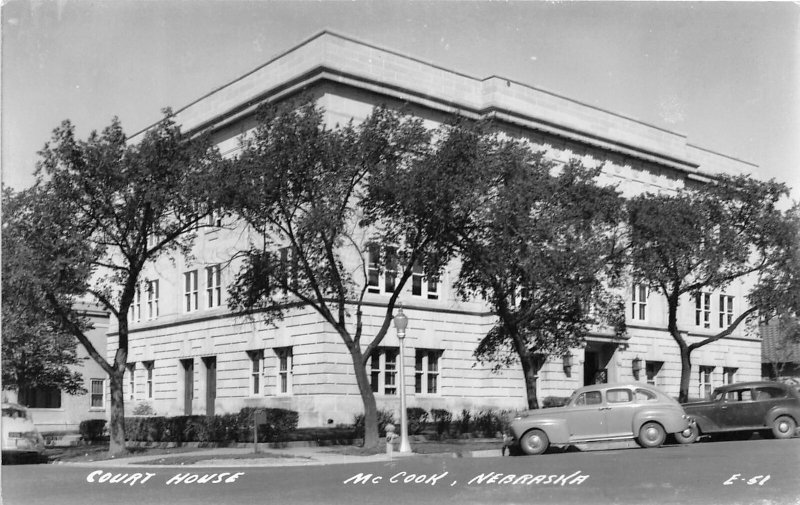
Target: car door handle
604,408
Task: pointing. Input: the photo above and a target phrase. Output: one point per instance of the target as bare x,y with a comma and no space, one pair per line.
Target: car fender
782,410
555,429
672,420
704,424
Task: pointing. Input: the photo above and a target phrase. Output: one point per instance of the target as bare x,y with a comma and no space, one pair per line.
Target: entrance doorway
596,361
188,385
211,384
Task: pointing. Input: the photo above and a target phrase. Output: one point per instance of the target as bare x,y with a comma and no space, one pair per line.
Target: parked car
601,412
737,410
21,440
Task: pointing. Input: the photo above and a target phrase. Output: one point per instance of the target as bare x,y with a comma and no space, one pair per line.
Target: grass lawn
183,455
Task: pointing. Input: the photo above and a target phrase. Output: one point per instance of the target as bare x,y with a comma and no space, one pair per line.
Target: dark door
188,385
591,363
211,384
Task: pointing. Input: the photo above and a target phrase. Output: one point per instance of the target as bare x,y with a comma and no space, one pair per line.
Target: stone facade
202,361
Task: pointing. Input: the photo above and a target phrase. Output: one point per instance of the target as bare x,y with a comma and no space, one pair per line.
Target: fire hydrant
390,438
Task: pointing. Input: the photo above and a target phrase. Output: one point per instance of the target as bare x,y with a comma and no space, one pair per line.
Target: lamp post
400,323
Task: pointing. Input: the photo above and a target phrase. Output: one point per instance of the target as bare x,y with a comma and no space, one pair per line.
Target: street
741,472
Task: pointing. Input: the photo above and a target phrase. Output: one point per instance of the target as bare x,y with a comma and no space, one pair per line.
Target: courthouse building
190,354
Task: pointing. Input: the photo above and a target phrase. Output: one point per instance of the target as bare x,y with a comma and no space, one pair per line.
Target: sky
726,75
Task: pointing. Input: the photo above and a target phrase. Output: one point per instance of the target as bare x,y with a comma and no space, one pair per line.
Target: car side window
589,398
739,395
619,396
644,395
765,393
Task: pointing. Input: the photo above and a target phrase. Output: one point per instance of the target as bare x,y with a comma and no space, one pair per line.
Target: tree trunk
685,351
116,427
531,364
371,434
686,374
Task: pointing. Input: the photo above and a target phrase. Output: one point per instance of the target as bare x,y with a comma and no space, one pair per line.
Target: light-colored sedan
21,440
602,412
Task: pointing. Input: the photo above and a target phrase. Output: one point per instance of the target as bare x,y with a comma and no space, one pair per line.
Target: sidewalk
292,456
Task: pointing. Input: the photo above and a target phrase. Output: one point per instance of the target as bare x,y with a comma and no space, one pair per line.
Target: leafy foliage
545,251
102,209
706,237
319,198
37,351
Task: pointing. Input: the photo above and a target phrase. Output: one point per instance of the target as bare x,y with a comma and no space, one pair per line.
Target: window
190,290
423,286
725,311
729,375
214,219
378,281
704,385
739,395
639,303
702,310
256,360
152,299
285,364
131,380
136,308
98,393
619,396
40,398
766,393
652,368
289,268
152,240
589,398
149,366
213,287
383,367
426,372
643,395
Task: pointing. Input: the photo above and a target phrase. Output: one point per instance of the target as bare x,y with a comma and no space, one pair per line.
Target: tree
546,251
37,352
702,239
333,207
104,208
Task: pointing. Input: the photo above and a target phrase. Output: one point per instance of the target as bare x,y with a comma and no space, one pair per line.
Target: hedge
92,429
218,428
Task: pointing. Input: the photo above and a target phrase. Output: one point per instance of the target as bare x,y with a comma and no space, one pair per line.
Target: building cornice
328,57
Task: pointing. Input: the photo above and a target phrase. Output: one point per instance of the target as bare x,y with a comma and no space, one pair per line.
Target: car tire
783,427
534,442
689,435
651,434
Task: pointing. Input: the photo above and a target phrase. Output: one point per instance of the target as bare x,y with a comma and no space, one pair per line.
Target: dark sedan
737,410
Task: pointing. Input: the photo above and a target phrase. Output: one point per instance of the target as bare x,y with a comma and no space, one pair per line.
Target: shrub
219,428
464,423
441,419
279,423
486,423
417,417
144,409
92,429
384,417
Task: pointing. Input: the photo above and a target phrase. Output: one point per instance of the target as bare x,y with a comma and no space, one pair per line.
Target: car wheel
783,427
689,435
534,442
651,434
